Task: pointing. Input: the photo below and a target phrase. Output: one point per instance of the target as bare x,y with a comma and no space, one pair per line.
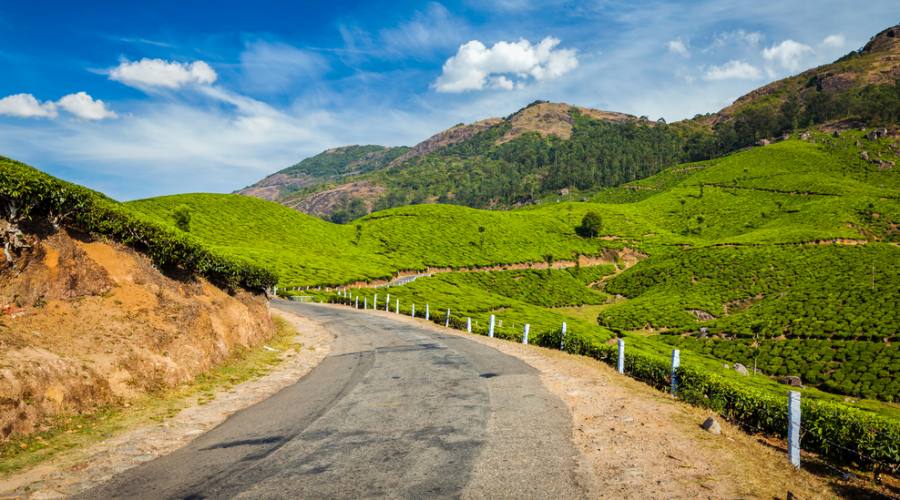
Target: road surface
396,410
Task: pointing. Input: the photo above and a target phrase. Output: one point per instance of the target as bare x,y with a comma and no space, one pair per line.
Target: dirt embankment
87,323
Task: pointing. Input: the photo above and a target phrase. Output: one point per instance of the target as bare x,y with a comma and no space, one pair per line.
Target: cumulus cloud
835,41
476,66
733,70
149,73
85,107
677,46
789,54
26,106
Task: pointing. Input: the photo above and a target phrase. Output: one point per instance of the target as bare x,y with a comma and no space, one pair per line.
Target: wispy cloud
678,46
273,67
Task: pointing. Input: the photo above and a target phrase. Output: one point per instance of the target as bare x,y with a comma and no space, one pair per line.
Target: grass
78,431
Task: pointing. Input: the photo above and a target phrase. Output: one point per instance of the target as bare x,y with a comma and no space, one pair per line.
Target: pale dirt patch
79,470
637,442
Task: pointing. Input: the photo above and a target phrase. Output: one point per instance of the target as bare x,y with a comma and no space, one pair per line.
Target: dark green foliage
479,172
182,216
838,366
348,211
27,194
346,160
591,225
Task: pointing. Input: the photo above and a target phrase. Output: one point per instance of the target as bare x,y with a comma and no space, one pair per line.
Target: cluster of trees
480,173
347,210
872,105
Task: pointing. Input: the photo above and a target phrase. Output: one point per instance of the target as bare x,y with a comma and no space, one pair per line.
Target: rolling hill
553,150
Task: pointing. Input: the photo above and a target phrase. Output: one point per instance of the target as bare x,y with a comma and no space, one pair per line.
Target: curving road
396,410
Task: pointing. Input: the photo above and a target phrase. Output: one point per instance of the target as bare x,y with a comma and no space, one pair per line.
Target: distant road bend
395,410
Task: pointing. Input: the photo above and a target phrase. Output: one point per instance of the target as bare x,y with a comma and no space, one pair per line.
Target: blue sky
140,99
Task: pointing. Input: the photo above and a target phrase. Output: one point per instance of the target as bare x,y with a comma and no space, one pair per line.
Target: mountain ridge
530,154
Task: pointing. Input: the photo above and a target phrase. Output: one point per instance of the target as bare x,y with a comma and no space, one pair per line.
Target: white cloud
475,66
835,41
149,73
733,70
677,46
789,54
86,107
433,28
26,106
275,67
743,37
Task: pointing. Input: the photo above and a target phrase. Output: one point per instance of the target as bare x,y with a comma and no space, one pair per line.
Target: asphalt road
396,410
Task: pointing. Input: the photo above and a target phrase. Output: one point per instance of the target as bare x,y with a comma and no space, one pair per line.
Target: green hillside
793,243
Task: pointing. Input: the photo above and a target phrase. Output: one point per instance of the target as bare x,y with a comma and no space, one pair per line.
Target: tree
182,216
481,230
549,260
358,233
591,225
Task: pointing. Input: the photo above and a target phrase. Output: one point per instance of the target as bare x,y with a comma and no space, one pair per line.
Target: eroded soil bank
87,323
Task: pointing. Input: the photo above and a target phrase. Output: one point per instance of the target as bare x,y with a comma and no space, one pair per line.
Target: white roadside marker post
387,303
365,302
621,364
413,313
447,322
468,325
491,327
525,335
427,312
357,301
676,362
562,337
375,302
794,427
397,309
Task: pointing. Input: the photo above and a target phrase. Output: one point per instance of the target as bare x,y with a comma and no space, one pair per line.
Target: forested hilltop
558,151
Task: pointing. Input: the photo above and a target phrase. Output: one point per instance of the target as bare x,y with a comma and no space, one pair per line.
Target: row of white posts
793,397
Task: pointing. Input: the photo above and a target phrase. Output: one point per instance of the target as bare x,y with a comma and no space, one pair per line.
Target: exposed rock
876,134
885,165
791,380
701,315
864,155
564,191
805,136
741,369
763,142
711,425
836,133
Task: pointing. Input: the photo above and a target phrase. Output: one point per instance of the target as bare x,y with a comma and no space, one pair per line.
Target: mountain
555,150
